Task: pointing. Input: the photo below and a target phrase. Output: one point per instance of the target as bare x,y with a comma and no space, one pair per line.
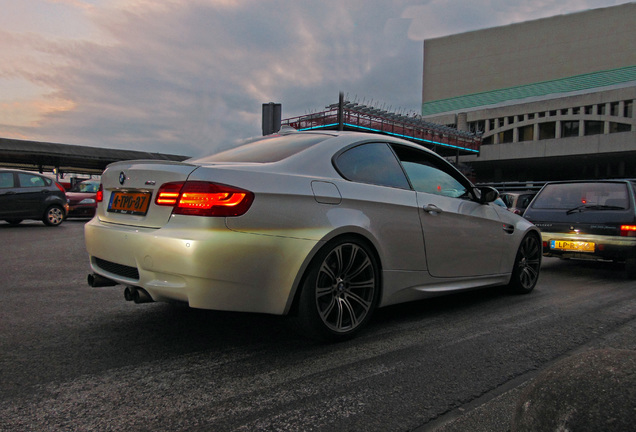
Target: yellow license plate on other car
573,246
135,203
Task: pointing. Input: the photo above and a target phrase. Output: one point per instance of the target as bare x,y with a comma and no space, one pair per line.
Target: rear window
266,150
571,195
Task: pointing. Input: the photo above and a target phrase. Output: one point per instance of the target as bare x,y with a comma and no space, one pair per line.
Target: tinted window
31,180
372,163
6,180
524,200
508,199
272,149
427,174
87,187
572,195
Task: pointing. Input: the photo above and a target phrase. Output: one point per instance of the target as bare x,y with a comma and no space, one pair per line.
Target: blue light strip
391,133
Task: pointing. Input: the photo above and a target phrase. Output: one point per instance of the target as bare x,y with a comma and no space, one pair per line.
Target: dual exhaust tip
131,293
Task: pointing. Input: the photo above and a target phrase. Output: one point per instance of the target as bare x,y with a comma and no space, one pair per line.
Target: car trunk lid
130,189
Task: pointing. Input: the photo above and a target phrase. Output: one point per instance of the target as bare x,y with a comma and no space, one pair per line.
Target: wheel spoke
328,272
361,268
366,304
326,312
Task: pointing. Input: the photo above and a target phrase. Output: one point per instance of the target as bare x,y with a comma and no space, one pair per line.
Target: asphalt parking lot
79,358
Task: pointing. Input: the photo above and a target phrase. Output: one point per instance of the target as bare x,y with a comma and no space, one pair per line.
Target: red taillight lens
628,230
169,194
99,196
60,187
198,198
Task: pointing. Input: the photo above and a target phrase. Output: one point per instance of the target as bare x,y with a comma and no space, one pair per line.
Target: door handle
432,209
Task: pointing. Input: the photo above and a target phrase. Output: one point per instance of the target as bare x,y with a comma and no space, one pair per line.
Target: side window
429,175
30,180
372,163
6,180
507,199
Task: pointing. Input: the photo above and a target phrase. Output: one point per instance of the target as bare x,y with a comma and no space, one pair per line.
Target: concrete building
552,98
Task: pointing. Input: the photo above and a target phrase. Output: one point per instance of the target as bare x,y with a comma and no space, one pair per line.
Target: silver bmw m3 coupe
322,226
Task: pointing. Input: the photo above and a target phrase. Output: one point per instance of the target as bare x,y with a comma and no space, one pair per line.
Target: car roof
592,181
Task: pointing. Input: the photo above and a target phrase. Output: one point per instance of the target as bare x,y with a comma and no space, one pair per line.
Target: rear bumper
612,248
81,211
207,266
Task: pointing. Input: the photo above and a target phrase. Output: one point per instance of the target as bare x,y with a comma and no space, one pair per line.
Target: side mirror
486,194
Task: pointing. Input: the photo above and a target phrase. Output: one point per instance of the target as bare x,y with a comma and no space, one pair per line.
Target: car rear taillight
628,230
60,187
99,196
199,198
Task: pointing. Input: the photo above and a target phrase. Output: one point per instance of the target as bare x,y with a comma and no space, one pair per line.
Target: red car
81,199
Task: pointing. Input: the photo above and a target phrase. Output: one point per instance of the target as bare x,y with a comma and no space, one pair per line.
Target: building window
511,119
601,109
593,127
547,130
569,129
619,127
576,111
565,111
487,140
614,109
553,113
526,133
589,109
505,136
629,109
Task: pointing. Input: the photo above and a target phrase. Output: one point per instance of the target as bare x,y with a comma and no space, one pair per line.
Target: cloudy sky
190,76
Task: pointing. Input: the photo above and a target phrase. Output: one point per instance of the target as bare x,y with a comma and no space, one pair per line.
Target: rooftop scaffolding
352,116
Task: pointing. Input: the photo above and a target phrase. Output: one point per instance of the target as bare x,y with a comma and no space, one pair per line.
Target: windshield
268,149
575,196
88,187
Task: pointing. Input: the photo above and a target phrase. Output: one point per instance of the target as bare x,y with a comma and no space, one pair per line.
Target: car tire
339,292
525,272
54,215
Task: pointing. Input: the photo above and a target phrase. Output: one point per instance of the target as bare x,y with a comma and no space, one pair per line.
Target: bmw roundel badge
122,178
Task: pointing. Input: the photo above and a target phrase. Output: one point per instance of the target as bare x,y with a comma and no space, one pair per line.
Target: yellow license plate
135,203
573,246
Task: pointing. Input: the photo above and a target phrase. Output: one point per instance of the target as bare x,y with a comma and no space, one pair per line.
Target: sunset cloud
190,77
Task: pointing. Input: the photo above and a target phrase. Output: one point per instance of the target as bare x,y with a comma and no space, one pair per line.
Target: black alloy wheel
340,292
525,273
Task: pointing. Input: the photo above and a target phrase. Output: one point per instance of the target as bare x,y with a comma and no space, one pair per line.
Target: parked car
517,202
81,199
587,220
26,195
325,227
